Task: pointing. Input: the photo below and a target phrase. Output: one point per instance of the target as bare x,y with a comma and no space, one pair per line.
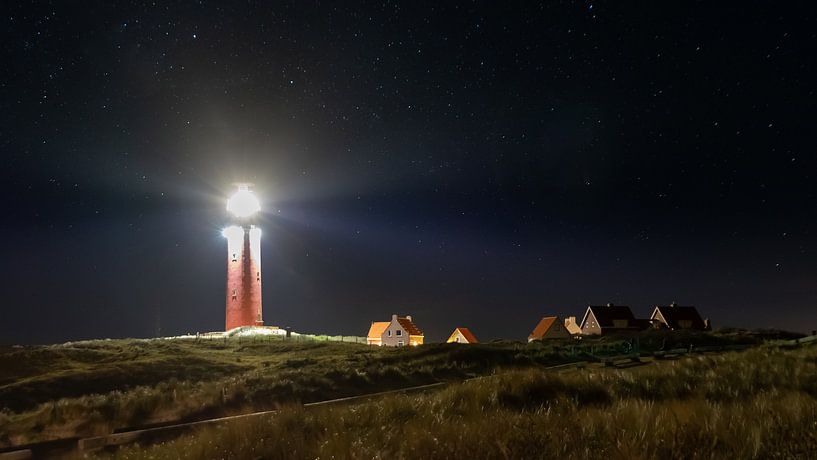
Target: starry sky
479,164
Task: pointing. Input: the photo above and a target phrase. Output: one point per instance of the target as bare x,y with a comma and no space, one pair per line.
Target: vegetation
761,403
96,387
90,388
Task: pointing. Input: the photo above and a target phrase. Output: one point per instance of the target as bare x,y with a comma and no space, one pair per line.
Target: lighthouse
243,261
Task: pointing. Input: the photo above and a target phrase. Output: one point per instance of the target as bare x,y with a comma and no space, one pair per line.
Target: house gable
462,335
610,318
677,317
395,331
657,316
401,331
590,324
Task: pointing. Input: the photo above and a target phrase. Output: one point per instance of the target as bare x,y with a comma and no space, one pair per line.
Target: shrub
532,414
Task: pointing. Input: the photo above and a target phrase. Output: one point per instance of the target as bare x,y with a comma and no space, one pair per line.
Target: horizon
478,167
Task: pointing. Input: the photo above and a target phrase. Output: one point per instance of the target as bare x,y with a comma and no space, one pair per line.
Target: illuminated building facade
243,299
398,332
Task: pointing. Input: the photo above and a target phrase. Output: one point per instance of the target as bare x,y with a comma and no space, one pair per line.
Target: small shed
462,335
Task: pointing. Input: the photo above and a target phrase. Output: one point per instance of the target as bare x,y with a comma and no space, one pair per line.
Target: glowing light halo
233,232
243,203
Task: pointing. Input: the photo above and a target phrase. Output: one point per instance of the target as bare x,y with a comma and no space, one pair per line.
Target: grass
95,387
761,403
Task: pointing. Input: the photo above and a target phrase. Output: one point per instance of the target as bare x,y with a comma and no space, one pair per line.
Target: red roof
409,326
544,325
467,334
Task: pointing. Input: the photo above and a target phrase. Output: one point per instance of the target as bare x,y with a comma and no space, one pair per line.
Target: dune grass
760,403
95,387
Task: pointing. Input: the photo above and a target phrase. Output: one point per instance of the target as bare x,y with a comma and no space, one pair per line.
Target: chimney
394,317
408,317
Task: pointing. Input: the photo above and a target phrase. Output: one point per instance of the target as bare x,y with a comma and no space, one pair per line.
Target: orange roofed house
398,332
462,335
549,327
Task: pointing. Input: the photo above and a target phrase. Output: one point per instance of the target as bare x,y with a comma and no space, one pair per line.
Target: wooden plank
375,395
147,434
38,449
127,437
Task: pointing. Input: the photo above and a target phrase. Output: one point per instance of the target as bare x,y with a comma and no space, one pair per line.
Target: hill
761,403
96,387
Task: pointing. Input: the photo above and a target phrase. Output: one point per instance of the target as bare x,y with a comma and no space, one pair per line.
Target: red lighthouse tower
243,261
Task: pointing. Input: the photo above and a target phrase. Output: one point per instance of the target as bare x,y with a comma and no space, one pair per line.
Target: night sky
480,165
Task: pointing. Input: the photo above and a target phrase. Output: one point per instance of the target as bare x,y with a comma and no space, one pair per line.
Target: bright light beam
243,203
